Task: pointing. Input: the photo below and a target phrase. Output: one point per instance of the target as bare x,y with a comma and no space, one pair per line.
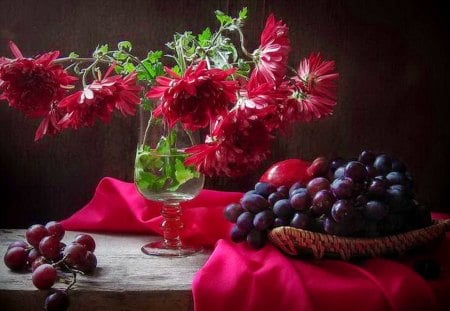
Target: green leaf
223,18
128,67
243,13
176,69
118,55
124,45
103,49
154,57
204,37
183,173
146,104
73,55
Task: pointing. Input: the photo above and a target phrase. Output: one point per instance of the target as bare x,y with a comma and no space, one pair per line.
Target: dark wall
393,59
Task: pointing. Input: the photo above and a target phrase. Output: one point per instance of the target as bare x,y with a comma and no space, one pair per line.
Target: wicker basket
294,242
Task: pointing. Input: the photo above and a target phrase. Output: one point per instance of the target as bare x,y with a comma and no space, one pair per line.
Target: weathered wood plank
125,279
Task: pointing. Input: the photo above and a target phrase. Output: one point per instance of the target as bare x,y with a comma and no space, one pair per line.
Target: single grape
342,188
317,184
44,276
35,233
264,189
300,200
322,202
280,222
330,226
396,178
89,264
283,208
16,258
319,167
256,239
250,192
49,247
284,190
237,235
55,229
22,244
366,157
339,172
383,164
360,201
396,197
74,254
245,222
356,171
294,187
301,221
264,220
58,300
375,210
275,196
341,210
254,203
377,189
398,166
371,171
232,211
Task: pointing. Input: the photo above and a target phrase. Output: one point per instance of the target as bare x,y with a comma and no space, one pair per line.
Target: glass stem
172,225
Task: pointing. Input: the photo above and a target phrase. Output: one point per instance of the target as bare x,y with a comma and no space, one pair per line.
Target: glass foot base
160,249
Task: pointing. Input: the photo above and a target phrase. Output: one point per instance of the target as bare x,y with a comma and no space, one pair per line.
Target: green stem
242,41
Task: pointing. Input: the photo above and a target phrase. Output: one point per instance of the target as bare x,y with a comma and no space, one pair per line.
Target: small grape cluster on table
371,196
50,260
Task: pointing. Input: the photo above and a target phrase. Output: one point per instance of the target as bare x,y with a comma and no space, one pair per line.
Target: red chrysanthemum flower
267,102
315,88
272,54
33,85
50,123
236,146
98,100
197,98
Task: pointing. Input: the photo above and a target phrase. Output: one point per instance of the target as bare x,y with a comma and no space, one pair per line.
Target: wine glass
160,175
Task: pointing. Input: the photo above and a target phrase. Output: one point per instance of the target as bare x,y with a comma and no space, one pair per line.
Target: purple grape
256,239
264,189
295,186
264,220
245,222
375,210
317,184
22,244
339,172
237,235
322,202
356,171
276,196
341,210
396,178
383,164
371,171
397,197
366,157
16,258
232,211
330,226
377,189
398,166
58,300
283,208
300,200
254,203
301,221
283,189
250,192
360,201
280,222
342,188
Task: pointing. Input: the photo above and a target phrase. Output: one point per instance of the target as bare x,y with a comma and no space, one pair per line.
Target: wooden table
125,279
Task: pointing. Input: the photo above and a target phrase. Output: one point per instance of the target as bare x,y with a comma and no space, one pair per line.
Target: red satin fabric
238,278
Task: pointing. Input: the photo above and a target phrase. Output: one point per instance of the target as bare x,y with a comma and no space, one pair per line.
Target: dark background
392,56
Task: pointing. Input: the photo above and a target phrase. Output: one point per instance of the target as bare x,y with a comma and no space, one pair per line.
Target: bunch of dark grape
370,196
49,259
